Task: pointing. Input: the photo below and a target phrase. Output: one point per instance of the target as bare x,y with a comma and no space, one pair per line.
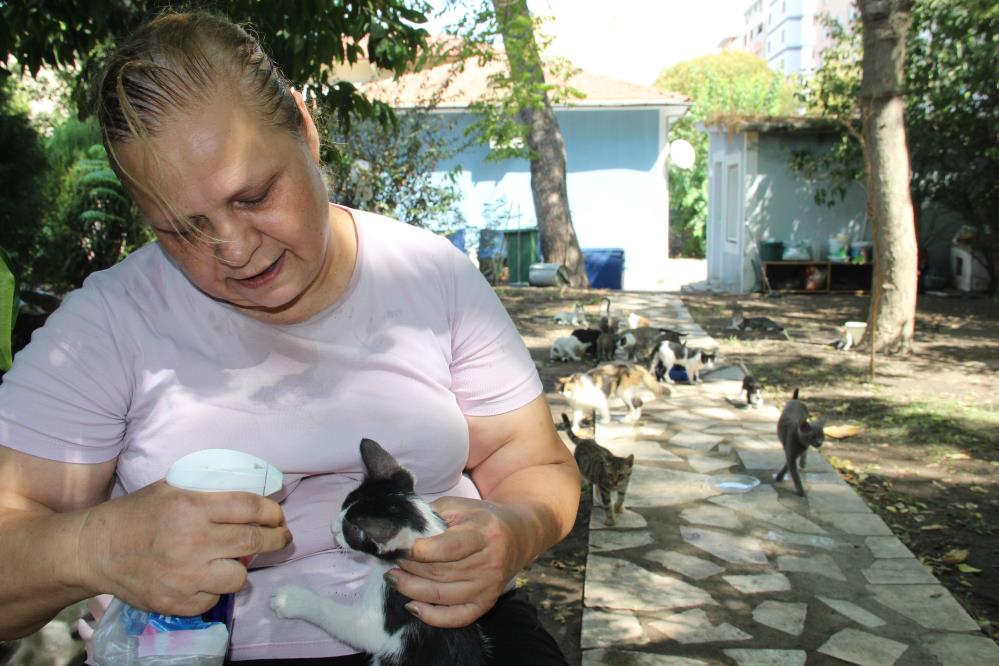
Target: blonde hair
176,62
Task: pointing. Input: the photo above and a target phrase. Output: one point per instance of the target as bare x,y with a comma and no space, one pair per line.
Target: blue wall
617,196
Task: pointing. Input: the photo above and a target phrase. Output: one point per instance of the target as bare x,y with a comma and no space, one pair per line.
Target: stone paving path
694,576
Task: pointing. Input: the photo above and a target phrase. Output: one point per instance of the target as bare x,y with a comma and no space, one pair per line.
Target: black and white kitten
383,517
752,387
796,434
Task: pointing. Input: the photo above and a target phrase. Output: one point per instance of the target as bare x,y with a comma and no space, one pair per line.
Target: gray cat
606,341
796,434
605,471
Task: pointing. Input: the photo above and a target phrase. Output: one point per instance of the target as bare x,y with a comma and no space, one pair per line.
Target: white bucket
547,275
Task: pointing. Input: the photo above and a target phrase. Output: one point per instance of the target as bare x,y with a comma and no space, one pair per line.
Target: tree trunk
893,298
548,170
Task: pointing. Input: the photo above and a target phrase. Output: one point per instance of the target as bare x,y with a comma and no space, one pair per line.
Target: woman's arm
530,489
160,548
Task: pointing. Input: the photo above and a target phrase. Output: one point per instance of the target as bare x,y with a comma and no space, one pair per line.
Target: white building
788,34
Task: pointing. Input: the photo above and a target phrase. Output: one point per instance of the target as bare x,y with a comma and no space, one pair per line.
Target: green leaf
968,569
8,309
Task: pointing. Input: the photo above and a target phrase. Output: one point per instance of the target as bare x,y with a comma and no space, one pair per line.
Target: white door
732,229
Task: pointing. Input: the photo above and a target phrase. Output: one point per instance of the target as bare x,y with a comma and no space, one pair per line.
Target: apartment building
788,33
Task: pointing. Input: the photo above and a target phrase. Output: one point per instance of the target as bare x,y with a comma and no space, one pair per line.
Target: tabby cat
605,471
796,434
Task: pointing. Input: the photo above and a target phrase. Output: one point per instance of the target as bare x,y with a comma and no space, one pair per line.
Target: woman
268,320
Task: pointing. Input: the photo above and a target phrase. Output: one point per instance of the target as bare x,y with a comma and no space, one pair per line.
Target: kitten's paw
288,601
609,521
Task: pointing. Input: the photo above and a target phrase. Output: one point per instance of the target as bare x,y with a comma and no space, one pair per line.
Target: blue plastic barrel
457,238
604,267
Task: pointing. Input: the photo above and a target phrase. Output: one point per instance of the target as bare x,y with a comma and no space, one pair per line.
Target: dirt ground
927,459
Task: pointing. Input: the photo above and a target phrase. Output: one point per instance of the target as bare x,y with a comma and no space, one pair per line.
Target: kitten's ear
821,423
378,462
631,459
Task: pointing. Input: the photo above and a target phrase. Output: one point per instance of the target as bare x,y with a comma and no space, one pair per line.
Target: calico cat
587,391
796,434
605,471
383,517
606,341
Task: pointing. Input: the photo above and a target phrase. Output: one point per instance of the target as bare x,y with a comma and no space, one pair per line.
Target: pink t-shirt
140,365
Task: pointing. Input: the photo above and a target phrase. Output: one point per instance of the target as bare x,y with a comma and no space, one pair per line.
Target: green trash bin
521,252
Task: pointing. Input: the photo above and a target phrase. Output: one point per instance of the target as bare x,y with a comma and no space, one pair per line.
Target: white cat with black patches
568,348
693,360
383,517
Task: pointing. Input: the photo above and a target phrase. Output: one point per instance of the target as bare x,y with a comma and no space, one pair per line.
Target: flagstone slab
759,583
768,459
695,440
658,487
624,520
962,650
930,606
747,657
644,450
708,464
602,628
688,565
887,547
734,548
864,649
860,524
793,538
788,617
693,626
614,583
716,516
605,540
761,503
898,571
832,495
818,565
717,413
751,442
853,611
726,430
628,658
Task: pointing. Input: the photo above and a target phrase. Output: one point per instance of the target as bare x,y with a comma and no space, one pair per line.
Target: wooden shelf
791,276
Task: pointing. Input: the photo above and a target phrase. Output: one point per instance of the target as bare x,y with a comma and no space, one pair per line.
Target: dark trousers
515,635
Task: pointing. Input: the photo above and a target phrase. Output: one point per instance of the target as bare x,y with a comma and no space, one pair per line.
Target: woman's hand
455,577
174,551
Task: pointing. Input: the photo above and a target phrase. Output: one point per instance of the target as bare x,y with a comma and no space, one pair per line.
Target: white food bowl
856,329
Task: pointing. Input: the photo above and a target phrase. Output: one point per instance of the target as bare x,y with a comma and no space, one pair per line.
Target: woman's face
254,225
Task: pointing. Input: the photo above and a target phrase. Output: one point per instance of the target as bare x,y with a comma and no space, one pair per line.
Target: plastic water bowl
733,483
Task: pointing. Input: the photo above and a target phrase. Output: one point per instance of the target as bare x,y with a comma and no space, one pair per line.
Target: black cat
796,434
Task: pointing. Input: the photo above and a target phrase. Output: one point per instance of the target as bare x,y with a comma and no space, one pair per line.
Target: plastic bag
127,636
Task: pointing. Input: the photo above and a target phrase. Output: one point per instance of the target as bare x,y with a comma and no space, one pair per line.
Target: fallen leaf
955,556
967,568
934,527
843,431
521,582
978,489
958,456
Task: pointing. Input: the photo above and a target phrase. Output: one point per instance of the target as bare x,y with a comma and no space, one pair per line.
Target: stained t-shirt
140,365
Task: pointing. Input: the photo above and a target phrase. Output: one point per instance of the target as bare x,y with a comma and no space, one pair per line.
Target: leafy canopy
305,38
728,83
